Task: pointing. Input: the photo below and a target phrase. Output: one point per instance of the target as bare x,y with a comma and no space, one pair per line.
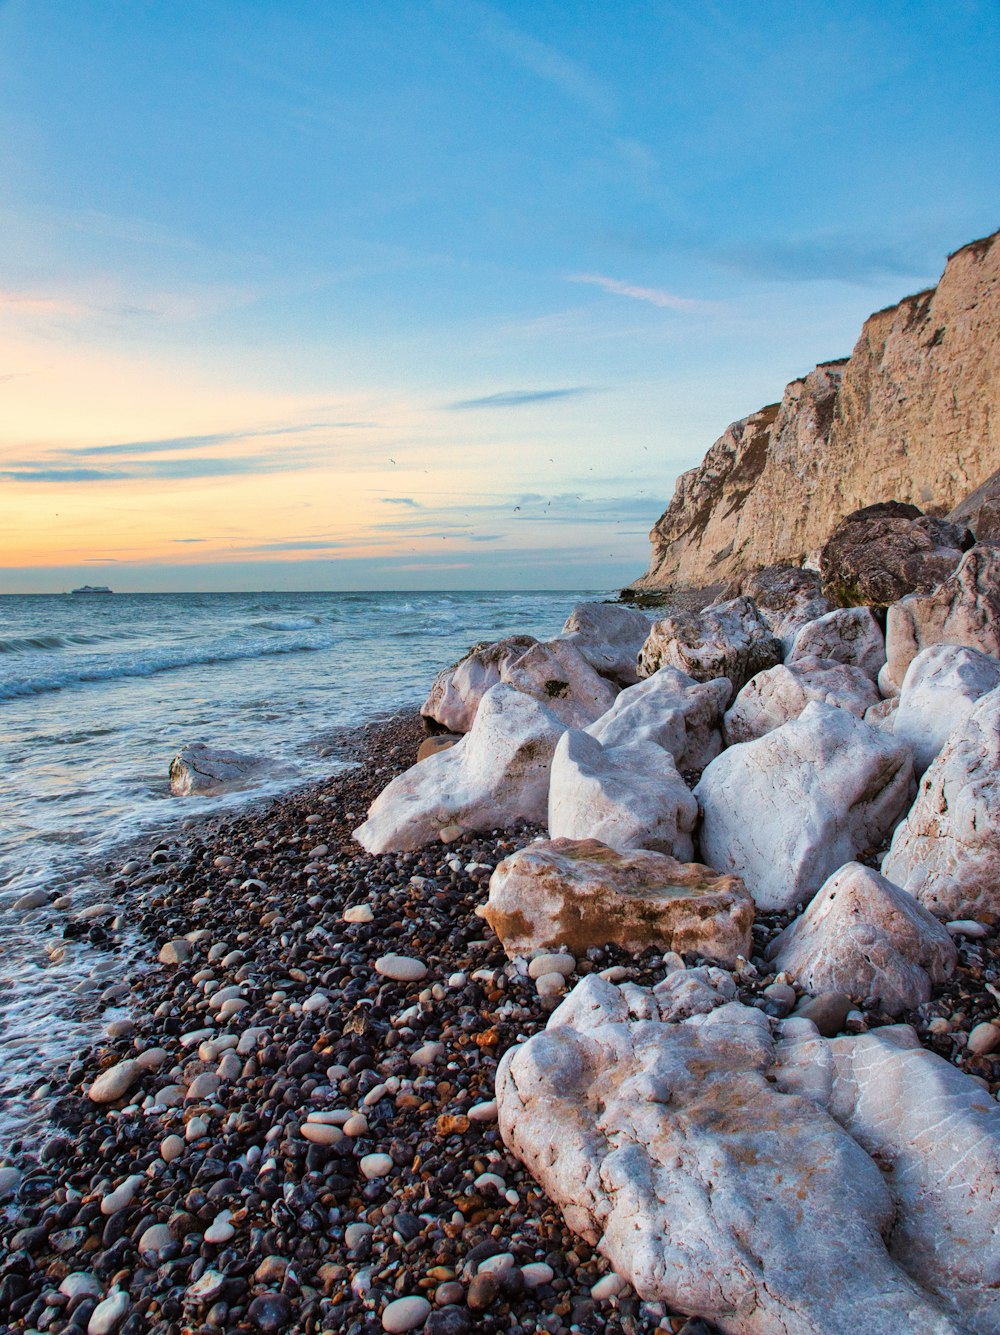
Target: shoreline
236,1218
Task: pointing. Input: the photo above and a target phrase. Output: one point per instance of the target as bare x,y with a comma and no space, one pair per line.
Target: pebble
405,1314
207,1288
984,1038
270,1312
483,1290
483,1112
323,1133
359,913
828,1012
115,1082
552,963
155,1238
783,998
151,1059
967,927
537,1273
220,1230
550,984
170,1147
427,1054
375,1165
177,951
80,1284
502,1260
355,1233
610,1286
356,1125
401,968
108,1315
122,1194
449,833
34,899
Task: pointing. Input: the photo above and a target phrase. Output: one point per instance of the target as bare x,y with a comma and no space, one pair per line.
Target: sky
394,296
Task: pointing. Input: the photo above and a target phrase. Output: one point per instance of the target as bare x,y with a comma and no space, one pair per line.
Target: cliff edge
913,415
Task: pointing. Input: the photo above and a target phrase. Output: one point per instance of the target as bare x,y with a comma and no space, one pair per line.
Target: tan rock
965,609
914,415
430,746
575,894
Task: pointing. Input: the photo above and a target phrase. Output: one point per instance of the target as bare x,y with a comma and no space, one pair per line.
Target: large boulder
936,1133
947,851
457,690
878,555
781,693
673,710
787,597
627,796
864,936
669,1148
965,609
784,812
558,676
203,771
580,893
980,510
728,639
609,635
848,635
940,690
498,772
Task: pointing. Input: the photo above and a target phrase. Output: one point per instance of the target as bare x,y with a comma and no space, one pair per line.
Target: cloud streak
518,398
655,296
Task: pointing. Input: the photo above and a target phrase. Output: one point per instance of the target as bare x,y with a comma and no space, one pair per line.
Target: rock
781,693
321,1133
202,770
668,1149
498,773
785,811
894,1097
483,1290
558,676
551,963
883,715
965,609
375,1165
122,1195
550,984
983,1038
405,1314
879,554
787,597
430,746
220,1230
980,510
170,1147
576,894
863,936
270,1312
609,635
80,1284
114,1083
946,851
828,1012
456,692
359,913
177,951
10,1180
673,710
108,1315
848,635
402,968
33,899
911,414
940,690
154,1239
628,796
729,639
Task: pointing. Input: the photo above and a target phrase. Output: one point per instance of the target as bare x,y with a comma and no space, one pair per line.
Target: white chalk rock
781,693
940,690
114,1083
936,1133
864,936
883,715
457,690
626,796
609,635
673,710
498,773
668,1149
848,635
784,812
965,609
202,770
728,639
947,850
577,894
559,677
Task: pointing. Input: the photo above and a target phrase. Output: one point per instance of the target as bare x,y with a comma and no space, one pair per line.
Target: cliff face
913,415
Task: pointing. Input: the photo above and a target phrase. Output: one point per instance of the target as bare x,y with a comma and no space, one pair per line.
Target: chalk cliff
912,415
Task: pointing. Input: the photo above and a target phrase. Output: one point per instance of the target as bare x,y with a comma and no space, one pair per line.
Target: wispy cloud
402,500
200,442
552,66
154,469
517,398
655,296
295,545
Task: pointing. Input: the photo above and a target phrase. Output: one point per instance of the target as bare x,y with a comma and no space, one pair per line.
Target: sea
97,693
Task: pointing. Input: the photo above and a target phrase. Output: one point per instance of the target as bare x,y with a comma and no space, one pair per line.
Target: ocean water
98,692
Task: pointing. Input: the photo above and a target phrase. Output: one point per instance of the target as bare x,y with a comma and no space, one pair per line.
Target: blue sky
323,296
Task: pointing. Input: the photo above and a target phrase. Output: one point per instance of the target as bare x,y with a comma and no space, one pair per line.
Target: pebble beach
291,1126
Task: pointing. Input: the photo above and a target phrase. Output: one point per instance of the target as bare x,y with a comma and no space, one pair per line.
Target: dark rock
878,555
270,1313
828,1012
980,510
483,1291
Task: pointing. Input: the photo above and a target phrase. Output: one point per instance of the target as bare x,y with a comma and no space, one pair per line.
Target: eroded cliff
912,415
